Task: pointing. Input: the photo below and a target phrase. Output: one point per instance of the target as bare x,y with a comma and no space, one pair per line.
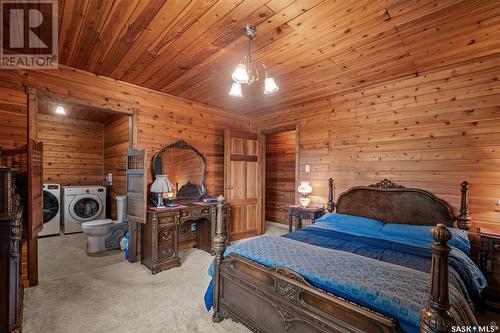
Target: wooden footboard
279,300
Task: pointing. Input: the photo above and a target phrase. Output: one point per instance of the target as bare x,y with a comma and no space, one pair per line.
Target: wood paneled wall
429,131
162,118
116,144
280,175
13,120
72,150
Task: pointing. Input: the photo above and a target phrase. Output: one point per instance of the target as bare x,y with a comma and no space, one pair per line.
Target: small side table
489,263
489,248
303,213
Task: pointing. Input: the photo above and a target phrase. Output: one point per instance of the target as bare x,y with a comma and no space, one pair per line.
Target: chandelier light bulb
240,74
60,110
270,86
235,90
247,73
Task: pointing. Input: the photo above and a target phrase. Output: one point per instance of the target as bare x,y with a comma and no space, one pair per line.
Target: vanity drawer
167,244
194,214
167,220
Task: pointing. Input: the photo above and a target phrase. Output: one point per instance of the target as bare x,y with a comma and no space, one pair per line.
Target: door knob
229,187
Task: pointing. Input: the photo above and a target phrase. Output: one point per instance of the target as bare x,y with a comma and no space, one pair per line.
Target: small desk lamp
161,185
304,189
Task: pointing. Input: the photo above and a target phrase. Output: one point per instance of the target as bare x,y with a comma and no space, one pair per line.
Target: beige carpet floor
104,293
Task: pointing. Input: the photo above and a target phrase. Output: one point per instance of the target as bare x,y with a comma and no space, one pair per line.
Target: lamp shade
304,188
270,86
240,74
161,184
235,90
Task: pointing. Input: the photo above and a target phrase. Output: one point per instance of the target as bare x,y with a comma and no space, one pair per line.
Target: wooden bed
279,300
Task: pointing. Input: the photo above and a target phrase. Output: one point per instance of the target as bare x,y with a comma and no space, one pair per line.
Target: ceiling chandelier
247,73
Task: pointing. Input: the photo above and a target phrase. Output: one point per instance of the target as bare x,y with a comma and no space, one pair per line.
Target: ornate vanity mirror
185,167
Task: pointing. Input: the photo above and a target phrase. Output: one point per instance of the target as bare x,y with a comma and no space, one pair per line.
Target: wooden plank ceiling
312,47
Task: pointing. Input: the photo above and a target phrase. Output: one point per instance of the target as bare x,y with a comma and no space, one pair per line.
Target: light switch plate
308,168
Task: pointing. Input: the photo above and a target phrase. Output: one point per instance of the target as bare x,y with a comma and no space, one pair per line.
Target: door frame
33,95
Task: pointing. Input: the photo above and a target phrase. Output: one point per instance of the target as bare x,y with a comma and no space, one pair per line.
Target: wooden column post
32,238
134,228
330,206
434,317
32,95
464,220
219,247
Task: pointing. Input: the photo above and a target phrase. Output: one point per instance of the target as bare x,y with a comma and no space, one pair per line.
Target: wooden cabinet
489,260
160,241
188,225
10,254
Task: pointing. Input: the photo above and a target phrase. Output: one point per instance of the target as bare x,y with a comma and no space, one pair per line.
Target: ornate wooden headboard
392,203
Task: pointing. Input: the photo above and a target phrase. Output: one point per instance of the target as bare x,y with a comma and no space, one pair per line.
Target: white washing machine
83,204
51,210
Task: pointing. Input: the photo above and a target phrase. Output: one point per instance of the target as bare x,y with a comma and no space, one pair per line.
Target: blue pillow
459,238
350,221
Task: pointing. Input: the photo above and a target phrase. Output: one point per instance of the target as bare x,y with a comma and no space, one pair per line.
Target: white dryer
83,204
51,210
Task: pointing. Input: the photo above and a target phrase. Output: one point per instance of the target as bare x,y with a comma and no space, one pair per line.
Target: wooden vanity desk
192,222
169,230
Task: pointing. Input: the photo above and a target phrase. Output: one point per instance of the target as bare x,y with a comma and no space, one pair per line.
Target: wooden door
136,198
244,155
35,187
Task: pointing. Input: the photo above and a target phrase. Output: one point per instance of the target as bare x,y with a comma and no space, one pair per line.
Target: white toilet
106,234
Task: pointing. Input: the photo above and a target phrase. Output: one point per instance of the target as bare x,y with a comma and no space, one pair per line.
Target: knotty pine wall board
13,120
280,175
162,118
73,150
116,144
429,131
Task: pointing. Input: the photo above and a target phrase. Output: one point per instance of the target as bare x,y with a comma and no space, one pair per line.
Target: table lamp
304,189
161,185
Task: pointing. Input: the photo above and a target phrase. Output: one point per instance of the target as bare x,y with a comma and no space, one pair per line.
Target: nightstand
489,259
303,213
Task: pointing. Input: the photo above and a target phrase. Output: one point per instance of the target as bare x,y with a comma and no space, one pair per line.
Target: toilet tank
121,208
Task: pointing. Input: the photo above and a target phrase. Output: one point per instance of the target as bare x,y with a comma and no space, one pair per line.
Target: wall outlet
308,168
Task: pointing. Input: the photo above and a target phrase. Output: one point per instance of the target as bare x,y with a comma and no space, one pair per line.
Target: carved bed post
330,206
434,317
219,248
464,219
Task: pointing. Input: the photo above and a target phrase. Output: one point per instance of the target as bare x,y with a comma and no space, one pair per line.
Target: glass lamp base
304,201
159,202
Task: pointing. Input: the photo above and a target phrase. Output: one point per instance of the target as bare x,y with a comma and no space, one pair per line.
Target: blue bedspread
372,269
464,274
